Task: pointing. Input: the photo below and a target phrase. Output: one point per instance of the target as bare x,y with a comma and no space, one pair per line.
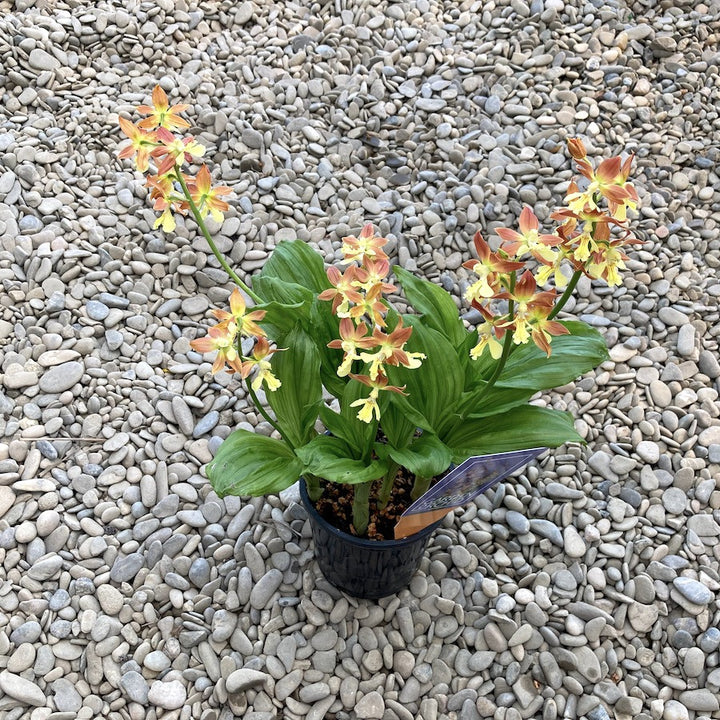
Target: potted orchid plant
371,401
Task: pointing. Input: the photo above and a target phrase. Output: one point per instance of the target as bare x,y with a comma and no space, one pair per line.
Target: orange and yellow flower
489,335
369,406
175,151
221,338
161,114
489,269
344,290
352,338
366,245
528,240
141,144
259,362
532,309
206,197
245,321
389,350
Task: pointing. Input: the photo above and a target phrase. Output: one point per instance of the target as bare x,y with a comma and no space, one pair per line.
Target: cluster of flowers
173,191
357,299
582,242
226,339
153,138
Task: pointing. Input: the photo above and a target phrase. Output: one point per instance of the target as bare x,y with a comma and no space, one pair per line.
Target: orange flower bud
576,148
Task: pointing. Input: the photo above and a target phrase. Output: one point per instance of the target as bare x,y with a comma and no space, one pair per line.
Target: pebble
61,377
167,695
693,590
21,689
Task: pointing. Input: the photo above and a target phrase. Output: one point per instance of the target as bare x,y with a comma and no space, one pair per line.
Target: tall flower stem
266,415
201,224
560,304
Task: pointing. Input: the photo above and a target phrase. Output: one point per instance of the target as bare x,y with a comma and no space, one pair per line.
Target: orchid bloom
366,245
344,290
372,273
605,263
488,335
246,322
220,338
175,151
161,114
370,304
531,314
264,374
141,144
528,240
352,339
369,405
206,197
390,351
488,268
609,181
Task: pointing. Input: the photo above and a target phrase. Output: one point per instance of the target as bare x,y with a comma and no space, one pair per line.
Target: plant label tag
463,483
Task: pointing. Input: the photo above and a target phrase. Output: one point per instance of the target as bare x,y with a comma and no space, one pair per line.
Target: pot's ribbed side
364,568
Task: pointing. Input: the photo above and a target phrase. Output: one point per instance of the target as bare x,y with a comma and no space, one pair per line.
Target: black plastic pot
364,568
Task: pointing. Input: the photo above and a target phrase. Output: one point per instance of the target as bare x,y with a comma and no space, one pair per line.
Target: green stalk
420,487
387,485
264,413
201,224
361,507
566,295
314,488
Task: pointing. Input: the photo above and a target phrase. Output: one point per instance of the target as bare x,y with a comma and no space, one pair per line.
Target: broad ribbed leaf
396,425
497,400
325,327
344,428
296,262
425,457
272,289
330,458
435,304
517,429
281,318
296,403
435,387
572,355
250,464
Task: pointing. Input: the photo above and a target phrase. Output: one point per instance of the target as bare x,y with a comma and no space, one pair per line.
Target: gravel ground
584,588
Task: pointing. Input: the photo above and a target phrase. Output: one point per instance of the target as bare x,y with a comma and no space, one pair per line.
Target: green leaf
330,458
426,457
363,434
272,289
435,387
572,355
435,304
396,425
296,403
296,262
498,400
281,318
518,429
250,464
343,427
325,327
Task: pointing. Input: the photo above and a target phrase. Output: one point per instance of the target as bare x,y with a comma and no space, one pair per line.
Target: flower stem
387,485
201,224
420,487
566,295
361,507
264,413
